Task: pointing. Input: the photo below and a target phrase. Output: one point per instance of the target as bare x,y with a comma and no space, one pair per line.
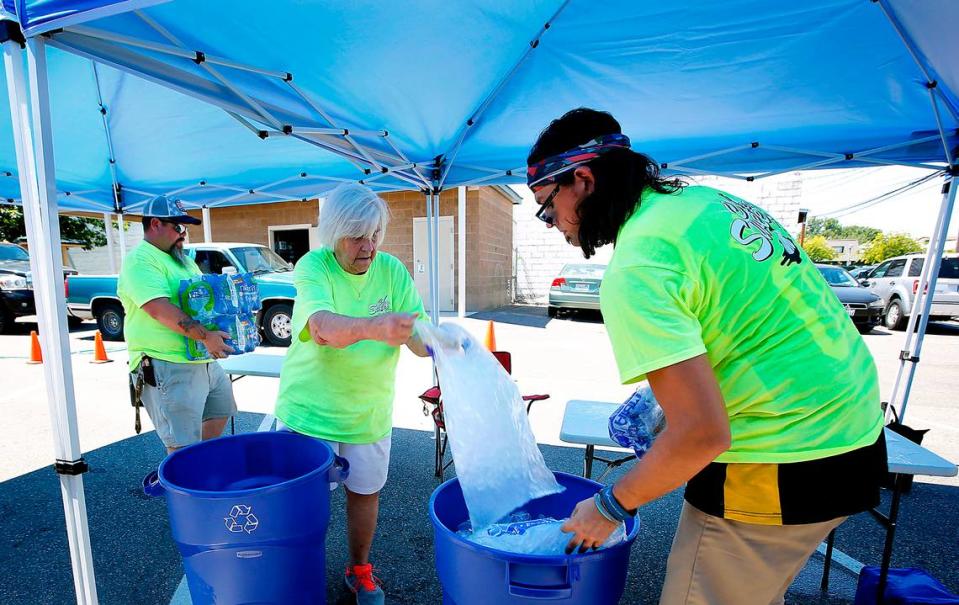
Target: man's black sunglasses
178,227
547,203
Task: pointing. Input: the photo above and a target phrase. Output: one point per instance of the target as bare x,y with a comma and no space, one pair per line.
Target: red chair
434,397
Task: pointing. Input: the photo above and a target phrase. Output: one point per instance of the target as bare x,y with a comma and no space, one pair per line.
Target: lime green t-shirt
344,395
149,273
701,272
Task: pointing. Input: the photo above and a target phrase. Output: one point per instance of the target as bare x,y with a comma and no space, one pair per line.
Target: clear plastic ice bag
524,535
498,464
637,423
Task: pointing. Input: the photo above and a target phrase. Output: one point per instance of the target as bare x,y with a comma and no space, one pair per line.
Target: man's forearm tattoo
192,328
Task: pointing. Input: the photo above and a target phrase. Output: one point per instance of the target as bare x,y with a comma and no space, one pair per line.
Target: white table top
253,364
587,423
910,458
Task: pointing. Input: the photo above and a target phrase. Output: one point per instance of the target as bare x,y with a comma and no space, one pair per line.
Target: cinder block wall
541,252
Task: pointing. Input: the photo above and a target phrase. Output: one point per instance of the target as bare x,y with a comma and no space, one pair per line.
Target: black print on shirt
753,225
381,306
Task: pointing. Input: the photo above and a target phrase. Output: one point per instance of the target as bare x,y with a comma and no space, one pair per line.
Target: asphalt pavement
136,561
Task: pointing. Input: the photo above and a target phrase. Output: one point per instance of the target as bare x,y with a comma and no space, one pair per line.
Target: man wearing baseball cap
187,400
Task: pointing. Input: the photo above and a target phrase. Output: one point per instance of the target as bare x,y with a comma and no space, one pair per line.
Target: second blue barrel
249,515
472,574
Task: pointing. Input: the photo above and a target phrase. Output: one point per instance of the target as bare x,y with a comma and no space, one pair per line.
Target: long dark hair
621,175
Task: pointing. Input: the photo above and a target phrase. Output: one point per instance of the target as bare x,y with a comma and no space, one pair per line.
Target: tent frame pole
461,251
34,146
450,156
207,225
436,252
108,232
925,292
431,257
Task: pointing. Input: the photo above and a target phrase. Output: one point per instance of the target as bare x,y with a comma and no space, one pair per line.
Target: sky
912,212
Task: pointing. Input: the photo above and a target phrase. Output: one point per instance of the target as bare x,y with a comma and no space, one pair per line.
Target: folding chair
434,397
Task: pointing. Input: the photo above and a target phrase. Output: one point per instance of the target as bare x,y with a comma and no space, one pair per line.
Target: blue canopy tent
245,102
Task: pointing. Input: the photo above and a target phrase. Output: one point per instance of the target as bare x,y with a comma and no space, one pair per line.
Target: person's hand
215,345
589,526
394,328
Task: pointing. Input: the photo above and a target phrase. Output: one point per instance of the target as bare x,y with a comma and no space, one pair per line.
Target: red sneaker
366,586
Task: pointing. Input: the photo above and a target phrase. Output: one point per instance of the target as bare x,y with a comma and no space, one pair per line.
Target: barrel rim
524,557
198,493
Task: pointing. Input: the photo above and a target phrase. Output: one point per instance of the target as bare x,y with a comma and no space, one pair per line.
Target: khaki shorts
716,561
186,395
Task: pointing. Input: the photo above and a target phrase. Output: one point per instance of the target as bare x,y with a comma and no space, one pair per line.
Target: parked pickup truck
95,296
16,285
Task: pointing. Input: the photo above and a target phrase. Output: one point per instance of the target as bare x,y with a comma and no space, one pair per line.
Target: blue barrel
474,574
249,515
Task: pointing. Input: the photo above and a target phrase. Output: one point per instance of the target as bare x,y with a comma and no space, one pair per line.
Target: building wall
540,253
488,234
489,243
97,260
847,250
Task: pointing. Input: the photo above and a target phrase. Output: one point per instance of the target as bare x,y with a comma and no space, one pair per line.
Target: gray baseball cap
169,210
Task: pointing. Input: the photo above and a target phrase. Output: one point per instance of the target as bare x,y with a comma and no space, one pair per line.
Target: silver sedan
576,287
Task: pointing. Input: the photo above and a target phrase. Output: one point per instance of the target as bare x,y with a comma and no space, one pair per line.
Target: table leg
588,462
438,465
232,426
824,585
890,536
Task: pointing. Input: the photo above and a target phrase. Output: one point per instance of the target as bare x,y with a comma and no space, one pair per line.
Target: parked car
863,307
16,285
860,272
576,287
896,281
95,296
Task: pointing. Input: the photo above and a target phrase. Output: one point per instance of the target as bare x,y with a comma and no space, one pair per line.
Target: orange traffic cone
99,353
35,355
490,337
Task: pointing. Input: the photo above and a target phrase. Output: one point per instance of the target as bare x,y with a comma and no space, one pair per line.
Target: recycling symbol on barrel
241,519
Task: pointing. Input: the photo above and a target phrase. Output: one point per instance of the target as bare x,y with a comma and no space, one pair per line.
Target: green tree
887,246
87,231
831,228
826,227
818,250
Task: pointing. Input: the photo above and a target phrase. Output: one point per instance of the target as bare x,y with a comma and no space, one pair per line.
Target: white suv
896,281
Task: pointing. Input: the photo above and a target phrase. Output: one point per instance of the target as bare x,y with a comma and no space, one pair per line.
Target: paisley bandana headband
545,172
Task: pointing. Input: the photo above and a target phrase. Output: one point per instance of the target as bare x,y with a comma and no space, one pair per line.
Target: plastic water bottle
230,325
251,334
636,423
197,298
195,350
254,293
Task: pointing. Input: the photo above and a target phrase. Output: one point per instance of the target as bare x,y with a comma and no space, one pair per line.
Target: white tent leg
123,238
909,356
108,230
431,258
38,191
435,265
461,252
207,226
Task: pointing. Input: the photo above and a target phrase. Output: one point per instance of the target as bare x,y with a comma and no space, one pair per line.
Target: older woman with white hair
354,307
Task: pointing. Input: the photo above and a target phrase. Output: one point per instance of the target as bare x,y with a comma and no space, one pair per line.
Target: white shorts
369,463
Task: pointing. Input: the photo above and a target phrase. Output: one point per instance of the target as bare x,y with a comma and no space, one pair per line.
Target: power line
879,198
